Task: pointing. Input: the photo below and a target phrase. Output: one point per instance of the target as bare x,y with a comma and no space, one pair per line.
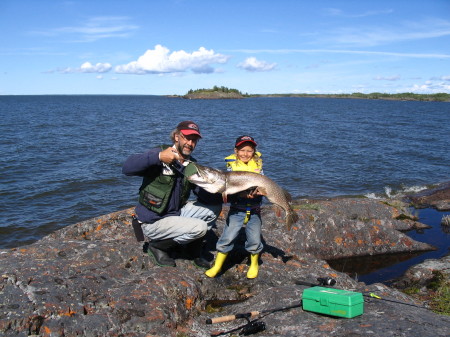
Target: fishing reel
252,327
326,281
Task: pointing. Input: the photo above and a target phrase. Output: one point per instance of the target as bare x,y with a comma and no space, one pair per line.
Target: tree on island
217,89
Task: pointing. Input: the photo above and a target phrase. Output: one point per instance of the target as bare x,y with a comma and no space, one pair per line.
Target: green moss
314,207
210,308
438,293
441,300
411,290
406,217
437,281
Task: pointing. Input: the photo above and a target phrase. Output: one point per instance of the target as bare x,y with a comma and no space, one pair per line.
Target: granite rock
94,279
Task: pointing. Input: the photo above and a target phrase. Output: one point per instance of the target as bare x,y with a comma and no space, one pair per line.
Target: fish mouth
205,176
199,175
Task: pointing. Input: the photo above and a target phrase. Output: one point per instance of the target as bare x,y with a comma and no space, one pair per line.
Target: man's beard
185,151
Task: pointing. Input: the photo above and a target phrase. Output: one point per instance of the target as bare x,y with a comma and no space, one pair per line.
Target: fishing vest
254,164
156,188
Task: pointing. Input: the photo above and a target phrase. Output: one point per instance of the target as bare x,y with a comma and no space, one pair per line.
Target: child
244,209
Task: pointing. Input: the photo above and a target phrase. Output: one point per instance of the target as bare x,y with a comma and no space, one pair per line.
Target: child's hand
251,193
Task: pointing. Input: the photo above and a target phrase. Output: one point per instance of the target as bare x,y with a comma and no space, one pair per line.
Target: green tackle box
334,302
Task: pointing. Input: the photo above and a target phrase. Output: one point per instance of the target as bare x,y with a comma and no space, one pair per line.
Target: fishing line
328,281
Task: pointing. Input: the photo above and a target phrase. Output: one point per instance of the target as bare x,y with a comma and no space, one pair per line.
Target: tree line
217,89
406,96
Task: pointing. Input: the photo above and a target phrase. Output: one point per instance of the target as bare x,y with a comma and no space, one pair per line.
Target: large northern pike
216,181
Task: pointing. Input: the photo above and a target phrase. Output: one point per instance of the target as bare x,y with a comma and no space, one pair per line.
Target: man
164,214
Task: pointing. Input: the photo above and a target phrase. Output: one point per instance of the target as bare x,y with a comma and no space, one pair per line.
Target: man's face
185,144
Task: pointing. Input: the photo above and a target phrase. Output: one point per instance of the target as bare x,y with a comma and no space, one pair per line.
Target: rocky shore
94,279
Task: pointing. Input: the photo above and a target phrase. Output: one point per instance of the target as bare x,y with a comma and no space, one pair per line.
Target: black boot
194,251
159,251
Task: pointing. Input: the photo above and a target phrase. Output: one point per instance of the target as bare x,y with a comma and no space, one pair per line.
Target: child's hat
244,139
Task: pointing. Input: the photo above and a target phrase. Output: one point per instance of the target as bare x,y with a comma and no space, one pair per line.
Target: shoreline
386,97
407,96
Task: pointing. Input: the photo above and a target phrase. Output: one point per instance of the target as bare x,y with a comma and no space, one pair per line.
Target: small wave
372,196
392,193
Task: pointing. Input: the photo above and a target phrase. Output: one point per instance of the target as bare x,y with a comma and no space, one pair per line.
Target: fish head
212,180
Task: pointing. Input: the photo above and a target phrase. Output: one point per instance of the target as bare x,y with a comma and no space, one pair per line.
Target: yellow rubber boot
253,269
218,263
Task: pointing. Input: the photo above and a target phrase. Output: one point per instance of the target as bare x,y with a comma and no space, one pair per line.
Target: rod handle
231,317
303,283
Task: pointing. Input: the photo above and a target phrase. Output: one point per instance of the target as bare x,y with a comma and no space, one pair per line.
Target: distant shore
208,94
440,97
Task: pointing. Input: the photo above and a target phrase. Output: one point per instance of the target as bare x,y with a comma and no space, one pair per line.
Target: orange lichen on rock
189,302
240,268
294,263
69,313
184,283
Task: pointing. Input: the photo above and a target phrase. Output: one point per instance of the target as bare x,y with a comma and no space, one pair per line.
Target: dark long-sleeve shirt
139,165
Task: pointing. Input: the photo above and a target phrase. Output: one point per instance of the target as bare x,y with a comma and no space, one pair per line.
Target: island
223,92
215,93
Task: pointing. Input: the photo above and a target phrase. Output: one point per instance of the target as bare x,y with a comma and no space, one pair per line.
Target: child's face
244,153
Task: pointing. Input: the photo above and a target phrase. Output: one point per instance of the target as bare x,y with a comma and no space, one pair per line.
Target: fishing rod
328,281
250,314
372,295
250,328
323,281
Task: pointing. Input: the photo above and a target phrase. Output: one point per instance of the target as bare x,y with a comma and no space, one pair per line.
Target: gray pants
194,221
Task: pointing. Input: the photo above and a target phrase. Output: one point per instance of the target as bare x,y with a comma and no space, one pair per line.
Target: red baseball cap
244,139
189,128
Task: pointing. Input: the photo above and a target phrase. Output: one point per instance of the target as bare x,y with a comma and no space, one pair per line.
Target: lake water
61,156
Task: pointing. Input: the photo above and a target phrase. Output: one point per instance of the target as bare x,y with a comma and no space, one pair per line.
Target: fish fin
224,197
277,209
287,195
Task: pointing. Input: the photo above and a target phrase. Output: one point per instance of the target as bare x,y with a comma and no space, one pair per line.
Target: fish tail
291,218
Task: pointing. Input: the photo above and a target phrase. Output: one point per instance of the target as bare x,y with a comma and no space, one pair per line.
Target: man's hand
168,155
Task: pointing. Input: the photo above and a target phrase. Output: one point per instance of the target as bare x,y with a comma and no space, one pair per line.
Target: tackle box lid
336,296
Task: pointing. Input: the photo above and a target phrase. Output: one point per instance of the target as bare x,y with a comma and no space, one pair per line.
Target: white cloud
94,29
340,51
87,67
379,35
339,12
252,64
430,87
160,60
387,78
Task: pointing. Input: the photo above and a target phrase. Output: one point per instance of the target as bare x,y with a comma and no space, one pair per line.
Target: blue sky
160,47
